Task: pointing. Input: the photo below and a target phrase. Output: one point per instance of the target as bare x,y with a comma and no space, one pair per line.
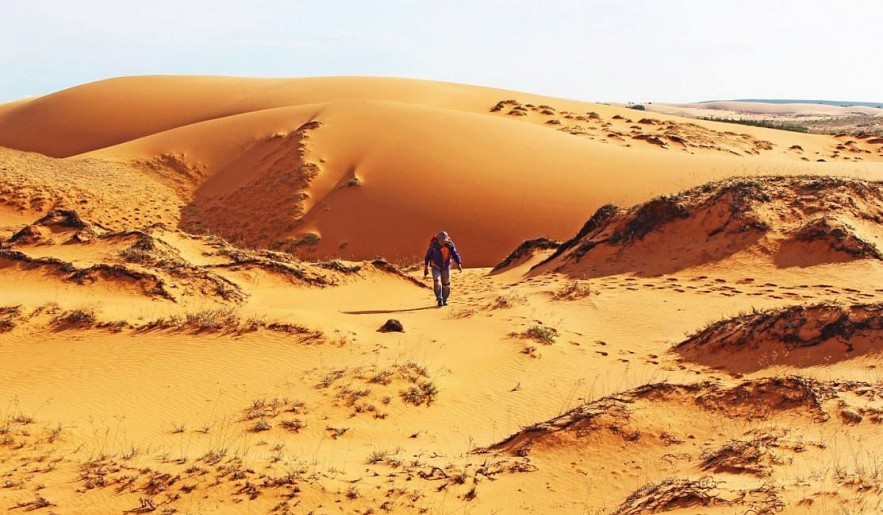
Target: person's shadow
385,311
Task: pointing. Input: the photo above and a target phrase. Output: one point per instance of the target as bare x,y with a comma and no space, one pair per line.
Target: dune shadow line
382,311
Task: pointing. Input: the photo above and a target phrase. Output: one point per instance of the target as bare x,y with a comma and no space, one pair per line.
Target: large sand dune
708,342
366,167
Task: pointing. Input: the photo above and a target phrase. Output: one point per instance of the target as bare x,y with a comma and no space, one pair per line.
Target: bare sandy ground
702,338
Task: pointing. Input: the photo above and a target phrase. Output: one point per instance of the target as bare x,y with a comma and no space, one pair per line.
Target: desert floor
712,345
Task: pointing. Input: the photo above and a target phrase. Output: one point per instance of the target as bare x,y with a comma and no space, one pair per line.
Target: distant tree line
769,124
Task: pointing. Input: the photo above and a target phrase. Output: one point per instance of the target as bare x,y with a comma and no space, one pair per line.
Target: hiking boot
444,302
441,303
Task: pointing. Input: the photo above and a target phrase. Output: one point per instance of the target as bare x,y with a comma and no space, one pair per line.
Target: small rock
392,325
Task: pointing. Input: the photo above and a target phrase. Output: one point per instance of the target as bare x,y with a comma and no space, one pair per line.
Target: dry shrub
508,301
75,319
423,393
294,425
755,456
670,494
8,317
543,334
573,290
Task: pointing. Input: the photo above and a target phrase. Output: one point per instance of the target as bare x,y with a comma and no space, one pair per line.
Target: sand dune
783,221
365,167
191,313
686,451
798,335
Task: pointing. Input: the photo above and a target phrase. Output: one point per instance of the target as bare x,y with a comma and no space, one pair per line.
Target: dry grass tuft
540,333
670,494
75,319
573,290
508,301
423,393
8,317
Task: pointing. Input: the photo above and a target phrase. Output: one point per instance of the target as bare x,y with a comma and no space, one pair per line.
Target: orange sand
151,369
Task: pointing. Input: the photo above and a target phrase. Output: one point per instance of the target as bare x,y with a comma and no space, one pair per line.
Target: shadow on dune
385,311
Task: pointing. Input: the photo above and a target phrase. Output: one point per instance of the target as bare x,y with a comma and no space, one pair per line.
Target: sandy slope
175,372
713,350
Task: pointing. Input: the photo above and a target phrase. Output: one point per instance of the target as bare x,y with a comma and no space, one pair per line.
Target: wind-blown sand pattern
657,314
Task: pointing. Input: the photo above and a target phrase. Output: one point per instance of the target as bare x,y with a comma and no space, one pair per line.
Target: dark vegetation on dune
793,327
738,212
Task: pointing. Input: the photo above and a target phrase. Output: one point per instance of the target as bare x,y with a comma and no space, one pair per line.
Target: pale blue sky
595,50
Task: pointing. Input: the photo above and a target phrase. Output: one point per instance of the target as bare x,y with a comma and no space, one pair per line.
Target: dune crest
785,221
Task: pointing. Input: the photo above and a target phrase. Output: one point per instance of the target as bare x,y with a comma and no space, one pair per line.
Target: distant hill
837,103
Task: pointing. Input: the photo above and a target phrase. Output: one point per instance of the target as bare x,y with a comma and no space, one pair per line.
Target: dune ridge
784,221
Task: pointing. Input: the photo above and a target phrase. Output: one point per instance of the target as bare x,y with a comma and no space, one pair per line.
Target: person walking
439,255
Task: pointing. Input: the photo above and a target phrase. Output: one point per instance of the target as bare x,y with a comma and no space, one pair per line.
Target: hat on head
443,236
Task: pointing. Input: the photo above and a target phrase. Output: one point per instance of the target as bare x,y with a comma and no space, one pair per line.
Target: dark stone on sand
392,325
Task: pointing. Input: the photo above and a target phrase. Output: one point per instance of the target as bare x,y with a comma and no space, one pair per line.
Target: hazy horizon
599,50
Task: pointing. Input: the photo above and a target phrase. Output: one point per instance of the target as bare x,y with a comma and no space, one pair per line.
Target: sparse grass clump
75,319
573,290
423,393
508,301
540,333
752,456
329,378
211,320
667,494
226,321
377,457
8,316
310,240
260,426
294,425
530,350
